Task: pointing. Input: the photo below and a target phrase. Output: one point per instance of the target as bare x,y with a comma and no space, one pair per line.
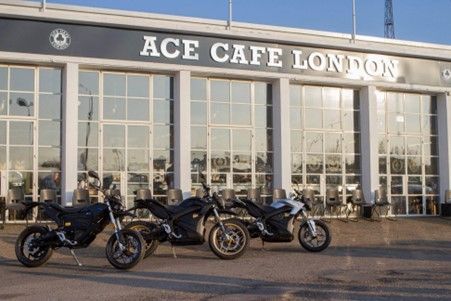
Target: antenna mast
389,31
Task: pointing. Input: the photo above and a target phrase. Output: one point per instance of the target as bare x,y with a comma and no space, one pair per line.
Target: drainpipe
43,5
229,22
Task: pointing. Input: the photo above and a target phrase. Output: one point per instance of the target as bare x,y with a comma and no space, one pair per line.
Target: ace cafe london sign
256,55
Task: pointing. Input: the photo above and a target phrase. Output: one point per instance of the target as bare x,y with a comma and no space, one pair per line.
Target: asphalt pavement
407,259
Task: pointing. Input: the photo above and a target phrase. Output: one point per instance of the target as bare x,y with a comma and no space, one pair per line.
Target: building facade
151,101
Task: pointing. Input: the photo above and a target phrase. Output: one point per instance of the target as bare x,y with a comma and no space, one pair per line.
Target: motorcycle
275,223
77,228
185,224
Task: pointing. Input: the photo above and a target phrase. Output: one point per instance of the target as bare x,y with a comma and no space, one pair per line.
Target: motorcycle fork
117,227
221,224
310,223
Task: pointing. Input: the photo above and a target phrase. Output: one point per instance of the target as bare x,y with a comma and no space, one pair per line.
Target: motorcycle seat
66,210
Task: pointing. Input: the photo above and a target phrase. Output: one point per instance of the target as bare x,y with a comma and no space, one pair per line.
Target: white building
112,91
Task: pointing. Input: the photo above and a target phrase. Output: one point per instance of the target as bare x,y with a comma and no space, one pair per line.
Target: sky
415,20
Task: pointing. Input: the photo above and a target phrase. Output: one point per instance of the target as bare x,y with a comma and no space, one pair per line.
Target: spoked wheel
233,243
29,249
315,243
128,254
145,228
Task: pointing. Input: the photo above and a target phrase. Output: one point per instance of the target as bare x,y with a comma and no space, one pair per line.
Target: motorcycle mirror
93,174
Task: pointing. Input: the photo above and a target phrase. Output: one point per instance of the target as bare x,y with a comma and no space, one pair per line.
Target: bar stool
228,194
14,197
381,202
357,201
46,196
143,194
174,196
317,205
254,194
80,198
333,202
279,194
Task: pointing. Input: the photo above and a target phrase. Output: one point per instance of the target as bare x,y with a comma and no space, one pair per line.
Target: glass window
114,84
50,80
114,135
198,113
137,86
49,106
49,133
88,83
198,89
21,104
220,91
21,133
138,136
241,92
3,78
163,87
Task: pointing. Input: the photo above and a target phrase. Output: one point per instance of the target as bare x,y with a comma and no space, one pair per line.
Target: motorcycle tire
144,228
38,256
241,239
322,230
134,249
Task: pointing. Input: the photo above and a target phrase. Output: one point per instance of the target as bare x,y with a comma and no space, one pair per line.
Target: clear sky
416,20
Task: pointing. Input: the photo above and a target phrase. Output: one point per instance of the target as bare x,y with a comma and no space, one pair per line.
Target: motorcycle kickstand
75,257
173,251
263,245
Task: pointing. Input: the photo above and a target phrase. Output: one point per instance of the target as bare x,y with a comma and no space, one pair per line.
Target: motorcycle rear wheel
323,237
132,254
28,256
144,228
238,236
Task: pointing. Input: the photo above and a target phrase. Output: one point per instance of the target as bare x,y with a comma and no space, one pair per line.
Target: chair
381,202
254,194
279,194
357,201
80,198
333,202
174,196
46,196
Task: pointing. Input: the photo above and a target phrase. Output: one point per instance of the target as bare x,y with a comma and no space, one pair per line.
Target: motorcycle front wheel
233,243
316,243
145,228
131,253
29,250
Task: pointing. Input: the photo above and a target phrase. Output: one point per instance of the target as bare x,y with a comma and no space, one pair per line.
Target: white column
70,132
281,134
182,132
444,142
368,141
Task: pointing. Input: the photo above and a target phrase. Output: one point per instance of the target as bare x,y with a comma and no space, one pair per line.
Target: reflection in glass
49,80
314,142
398,205
220,161
332,98
296,141
21,133
220,139
21,179
242,140
353,164
333,143
198,161
138,136
382,164
397,186
198,137
20,158
314,163
138,109
88,108
163,136
333,164
241,92
113,135
163,87
412,103
49,180
49,157
414,165
263,116
113,159
242,162
198,113
88,159
414,185
413,123
241,114
432,185
431,166
137,86
21,104
263,140
220,90
313,96
114,108
88,83
263,162
163,160
114,84
432,205
198,89
87,134
49,133
49,106
138,160
313,118
22,79
3,78
397,165
3,103
332,119
220,113
415,205
2,157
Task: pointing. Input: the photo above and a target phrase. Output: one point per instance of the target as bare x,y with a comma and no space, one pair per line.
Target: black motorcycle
77,228
185,224
275,223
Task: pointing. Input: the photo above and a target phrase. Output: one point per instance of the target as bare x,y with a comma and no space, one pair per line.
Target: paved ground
409,259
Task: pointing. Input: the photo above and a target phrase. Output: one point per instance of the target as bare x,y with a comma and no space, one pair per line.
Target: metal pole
229,22
353,21
43,4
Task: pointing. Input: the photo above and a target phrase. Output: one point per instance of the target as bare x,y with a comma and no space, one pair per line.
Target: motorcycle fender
220,212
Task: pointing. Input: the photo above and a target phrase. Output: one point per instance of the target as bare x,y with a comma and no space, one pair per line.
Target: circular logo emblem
446,74
59,39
